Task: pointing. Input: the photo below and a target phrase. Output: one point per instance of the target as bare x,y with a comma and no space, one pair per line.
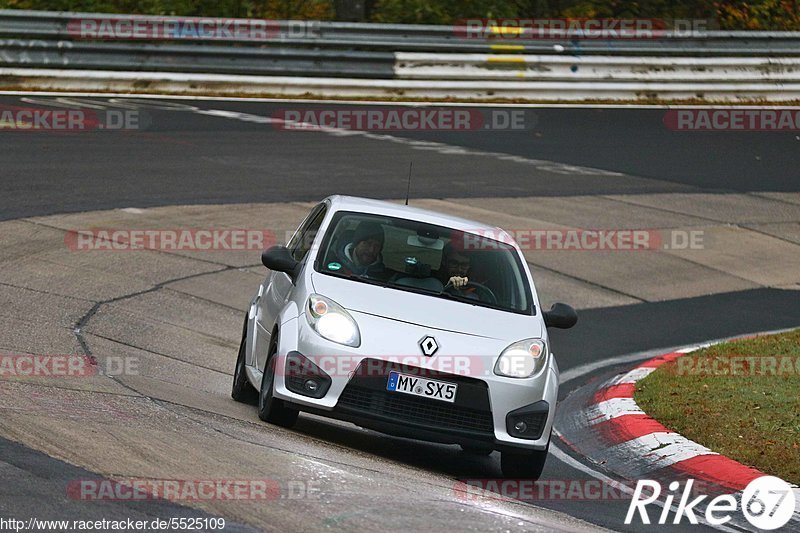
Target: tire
242,390
477,450
271,409
523,465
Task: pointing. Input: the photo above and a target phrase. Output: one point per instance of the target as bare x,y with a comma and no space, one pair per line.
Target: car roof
380,207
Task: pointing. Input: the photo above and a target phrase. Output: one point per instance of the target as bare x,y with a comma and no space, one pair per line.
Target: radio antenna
408,188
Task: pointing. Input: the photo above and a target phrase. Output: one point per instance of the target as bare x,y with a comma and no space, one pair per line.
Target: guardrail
596,68
167,57
352,59
47,25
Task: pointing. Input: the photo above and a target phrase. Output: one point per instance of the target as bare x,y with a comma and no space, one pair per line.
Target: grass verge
739,398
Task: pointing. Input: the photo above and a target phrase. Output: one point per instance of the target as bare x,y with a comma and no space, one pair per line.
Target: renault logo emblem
428,345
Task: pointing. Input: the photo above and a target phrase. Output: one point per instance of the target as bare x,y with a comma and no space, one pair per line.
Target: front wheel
522,465
271,409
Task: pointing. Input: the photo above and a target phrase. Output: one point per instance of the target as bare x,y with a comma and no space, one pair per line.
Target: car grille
369,396
421,411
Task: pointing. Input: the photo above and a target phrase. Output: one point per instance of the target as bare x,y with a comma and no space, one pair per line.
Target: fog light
304,377
528,422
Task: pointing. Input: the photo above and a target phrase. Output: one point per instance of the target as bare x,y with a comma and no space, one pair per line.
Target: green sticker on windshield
334,266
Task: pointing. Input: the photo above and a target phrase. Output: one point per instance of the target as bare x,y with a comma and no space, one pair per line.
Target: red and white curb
609,428
617,417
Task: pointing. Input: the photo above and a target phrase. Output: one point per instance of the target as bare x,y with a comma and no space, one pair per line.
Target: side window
304,238
292,244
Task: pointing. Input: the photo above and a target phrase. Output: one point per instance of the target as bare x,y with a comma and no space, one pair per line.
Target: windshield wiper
356,277
473,301
410,288
433,292
459,298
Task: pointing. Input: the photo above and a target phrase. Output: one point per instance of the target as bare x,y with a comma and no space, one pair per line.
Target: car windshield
427,259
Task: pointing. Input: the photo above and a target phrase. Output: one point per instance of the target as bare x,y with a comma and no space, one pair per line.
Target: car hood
427,311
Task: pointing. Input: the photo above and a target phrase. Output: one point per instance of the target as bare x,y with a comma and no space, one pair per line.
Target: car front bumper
486,409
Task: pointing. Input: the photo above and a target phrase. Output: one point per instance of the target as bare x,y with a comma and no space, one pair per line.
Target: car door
278,286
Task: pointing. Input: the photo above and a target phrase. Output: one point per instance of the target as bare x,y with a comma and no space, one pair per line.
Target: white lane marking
633,376
132,210
566,105
442,148
166,106
580,371
70,103
662,449
697,347
236,115
108,103
613,408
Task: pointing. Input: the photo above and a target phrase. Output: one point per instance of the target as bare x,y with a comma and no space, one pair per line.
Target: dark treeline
721,14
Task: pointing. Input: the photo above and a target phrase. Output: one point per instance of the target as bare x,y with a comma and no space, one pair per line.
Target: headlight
331,321
522,359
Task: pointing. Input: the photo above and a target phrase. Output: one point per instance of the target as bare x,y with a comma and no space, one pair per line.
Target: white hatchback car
408,322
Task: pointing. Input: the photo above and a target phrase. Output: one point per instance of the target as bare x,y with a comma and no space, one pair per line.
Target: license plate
417,386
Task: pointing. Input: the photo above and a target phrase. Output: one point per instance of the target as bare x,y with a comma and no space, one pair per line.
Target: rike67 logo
768,503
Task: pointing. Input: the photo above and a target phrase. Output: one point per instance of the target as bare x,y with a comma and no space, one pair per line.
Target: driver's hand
458,281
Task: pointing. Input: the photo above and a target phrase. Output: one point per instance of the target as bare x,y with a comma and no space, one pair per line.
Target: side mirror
560,316
280,259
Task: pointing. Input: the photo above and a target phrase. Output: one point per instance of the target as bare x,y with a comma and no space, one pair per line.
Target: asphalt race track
205,152
243,161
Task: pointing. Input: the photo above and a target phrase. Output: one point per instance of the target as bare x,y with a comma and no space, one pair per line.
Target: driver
454,268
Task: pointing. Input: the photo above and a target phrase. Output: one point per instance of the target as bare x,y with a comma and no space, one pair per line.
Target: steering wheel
482,292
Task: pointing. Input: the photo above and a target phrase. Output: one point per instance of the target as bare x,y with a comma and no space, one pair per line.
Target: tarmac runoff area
177,314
